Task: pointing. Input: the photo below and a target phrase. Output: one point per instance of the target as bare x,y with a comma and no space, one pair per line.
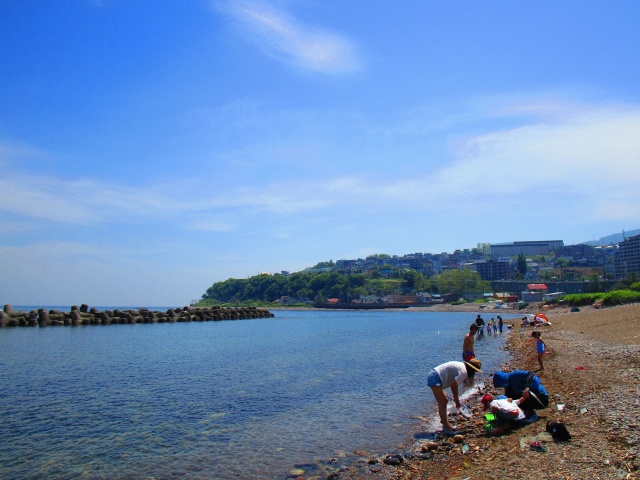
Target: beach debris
393,459
539,438
558,431
465,411
537,447
424,456
429,446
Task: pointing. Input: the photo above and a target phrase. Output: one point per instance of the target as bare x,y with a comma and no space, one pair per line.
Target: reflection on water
230,399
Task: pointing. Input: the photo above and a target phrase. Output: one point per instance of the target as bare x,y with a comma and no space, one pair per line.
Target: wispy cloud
579,159
283,37
213,225
586,160
79,201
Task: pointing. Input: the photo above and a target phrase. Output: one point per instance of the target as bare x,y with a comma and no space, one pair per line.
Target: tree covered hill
383,275
319,286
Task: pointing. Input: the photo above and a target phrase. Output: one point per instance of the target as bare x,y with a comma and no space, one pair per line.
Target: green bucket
490,418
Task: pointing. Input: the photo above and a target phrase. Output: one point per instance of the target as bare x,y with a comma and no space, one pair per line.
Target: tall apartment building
531,248
491,270
627,259
578,252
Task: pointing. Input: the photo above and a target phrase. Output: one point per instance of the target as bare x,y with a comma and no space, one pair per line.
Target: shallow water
229,399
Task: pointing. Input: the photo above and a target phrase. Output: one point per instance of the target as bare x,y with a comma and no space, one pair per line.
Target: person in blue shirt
523,384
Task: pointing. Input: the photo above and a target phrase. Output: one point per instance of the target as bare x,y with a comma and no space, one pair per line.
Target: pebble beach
592,374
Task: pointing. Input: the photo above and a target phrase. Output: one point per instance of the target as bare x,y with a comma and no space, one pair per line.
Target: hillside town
523,271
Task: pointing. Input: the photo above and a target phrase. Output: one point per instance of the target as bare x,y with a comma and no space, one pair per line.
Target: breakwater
84,315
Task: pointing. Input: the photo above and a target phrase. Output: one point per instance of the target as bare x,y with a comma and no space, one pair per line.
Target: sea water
227,399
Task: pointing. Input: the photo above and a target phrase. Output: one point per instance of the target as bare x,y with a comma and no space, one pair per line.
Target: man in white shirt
450,375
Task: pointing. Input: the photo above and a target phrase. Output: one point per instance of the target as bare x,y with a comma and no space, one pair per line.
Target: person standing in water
468,345
480,324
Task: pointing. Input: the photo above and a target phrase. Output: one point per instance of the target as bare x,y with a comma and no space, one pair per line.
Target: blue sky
150,149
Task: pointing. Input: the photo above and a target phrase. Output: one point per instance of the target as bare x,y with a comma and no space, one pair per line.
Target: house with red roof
534,292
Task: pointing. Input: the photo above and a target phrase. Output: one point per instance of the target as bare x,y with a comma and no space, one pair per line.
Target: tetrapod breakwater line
84,315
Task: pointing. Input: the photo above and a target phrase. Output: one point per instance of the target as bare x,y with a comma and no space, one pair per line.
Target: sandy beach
592,368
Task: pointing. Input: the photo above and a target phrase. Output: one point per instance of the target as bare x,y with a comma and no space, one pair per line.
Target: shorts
433,379
466,356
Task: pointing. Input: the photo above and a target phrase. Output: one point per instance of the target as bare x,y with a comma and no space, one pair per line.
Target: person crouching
507,411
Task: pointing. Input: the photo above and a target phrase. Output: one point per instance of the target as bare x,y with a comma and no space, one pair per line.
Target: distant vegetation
317,287
303,288
614,297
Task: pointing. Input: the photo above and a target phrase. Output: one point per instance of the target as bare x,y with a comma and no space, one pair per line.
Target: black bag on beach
558,431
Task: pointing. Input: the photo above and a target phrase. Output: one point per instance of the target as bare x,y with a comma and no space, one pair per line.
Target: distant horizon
100,307
151,149
195,300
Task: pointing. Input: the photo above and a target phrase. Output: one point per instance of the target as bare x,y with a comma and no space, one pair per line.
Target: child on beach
540,347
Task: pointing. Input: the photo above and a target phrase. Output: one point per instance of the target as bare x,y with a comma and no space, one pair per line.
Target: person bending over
523,384
450,375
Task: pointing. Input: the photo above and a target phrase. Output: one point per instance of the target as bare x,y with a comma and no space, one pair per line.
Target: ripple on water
223,400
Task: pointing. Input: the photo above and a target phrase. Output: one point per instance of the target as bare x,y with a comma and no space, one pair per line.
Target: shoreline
592,368
439,307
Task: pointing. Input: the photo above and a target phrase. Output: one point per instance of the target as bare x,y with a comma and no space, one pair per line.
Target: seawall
84,315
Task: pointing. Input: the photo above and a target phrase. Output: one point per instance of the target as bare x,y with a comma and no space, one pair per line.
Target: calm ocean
223,400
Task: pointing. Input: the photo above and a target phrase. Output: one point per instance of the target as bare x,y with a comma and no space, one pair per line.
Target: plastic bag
465,411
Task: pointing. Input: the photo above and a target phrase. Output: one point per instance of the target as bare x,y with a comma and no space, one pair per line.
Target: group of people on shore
494,326
523,391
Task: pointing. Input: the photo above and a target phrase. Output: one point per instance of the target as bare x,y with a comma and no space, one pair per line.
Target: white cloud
83,201
37,196
583,160
554,172
283,37
580,160
213,225
586,161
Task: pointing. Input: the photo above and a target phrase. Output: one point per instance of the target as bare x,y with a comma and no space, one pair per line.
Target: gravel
592,368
